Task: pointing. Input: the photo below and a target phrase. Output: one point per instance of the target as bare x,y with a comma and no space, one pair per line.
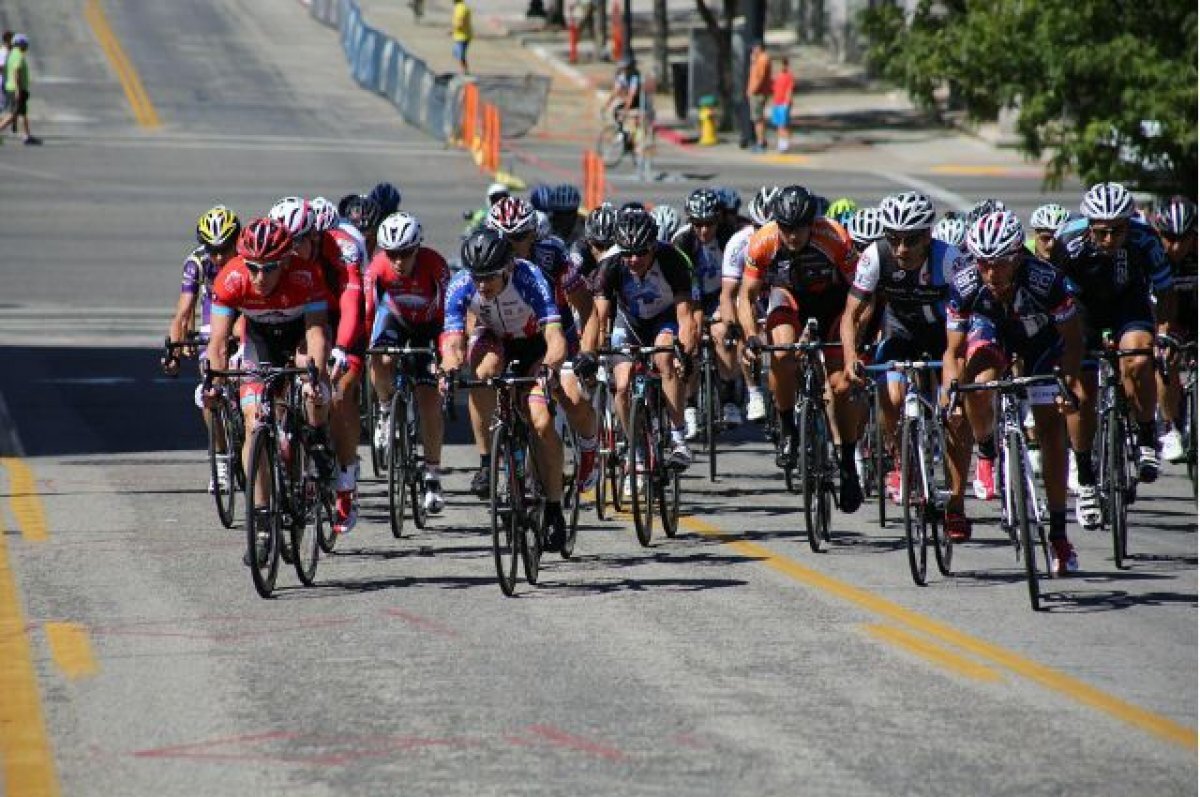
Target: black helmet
703,204
794,207
564,198
387,196
731,200
485,252
344,203
600,225
363,213
636,231
983,208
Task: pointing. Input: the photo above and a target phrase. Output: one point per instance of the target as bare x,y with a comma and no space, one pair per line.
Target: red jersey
341,261
419,298
827,261
301,290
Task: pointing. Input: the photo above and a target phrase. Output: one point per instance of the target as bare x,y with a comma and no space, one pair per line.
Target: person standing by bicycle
912,272
1008,304
649,286
1117,263
406,287
516,320
807,264
1176,225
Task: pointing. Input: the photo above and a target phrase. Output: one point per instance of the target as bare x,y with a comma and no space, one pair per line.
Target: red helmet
512,216
264,241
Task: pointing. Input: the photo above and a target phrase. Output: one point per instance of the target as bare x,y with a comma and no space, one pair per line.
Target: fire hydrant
708,122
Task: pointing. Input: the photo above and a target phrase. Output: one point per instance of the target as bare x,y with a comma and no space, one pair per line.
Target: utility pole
627,23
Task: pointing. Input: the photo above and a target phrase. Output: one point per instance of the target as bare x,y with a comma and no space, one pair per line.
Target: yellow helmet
217,226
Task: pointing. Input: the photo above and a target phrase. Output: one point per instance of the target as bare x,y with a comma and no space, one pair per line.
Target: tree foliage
1106,89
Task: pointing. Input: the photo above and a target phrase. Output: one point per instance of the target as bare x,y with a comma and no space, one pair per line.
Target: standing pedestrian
782,87
758,92
461,33
16,84
5,49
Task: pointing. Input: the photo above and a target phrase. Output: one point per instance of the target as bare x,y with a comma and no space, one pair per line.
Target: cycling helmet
841,209
217,226
822,204
387,196
703,204
1049,217
907,211
512,216
599,226
295,213
325,215
635,205
497,191
399,231
731,200
344,203
1107,202
996,235
793,207
564,198
264,241
668,221
982,208
544,228
363,213
952,229
1178,218
636,230
485,251
865,227
760,205
539,197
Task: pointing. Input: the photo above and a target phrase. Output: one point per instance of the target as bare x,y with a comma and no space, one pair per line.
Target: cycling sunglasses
400,254
908,239
632,253
263,268
1108,230
703,222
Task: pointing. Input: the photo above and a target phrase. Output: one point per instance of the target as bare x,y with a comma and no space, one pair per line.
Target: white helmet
325,215
496,191
1106,202
295,213
951,230
399,231
907,211
1049,217
996,235
865,226
668,222
760,205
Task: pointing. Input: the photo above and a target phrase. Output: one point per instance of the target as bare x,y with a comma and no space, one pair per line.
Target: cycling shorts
391,331
274,344
1127,313
1040,355
784,309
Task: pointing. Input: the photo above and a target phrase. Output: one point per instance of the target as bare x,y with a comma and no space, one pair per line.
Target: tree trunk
724,60
660,45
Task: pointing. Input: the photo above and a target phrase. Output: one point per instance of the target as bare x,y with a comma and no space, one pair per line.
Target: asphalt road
135,657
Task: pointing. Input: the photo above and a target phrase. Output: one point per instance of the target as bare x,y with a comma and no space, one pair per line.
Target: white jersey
734,259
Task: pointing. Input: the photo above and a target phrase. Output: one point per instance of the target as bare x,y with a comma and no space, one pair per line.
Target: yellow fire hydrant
708,122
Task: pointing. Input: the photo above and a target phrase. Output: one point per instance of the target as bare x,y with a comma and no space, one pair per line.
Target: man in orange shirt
758,92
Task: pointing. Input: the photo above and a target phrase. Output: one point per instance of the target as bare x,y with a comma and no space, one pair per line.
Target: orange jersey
826,262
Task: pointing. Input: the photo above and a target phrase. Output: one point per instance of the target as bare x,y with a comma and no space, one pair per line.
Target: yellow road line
792,160
23,499
28,764
987,171
135,92
71,649
1047,677
933,653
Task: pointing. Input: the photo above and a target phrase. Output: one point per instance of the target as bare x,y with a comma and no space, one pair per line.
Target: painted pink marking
560,738
422,623
196,749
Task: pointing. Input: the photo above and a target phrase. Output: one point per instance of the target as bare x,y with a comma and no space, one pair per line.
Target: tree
1107,90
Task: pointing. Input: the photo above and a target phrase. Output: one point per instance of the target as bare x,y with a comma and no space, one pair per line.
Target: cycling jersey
199,271
915,299
521,310
706,265
667,282
825,264
551,256
342,263
733,262
583,261
418,299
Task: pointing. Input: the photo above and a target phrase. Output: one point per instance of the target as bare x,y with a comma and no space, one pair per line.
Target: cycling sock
1147,434
1058,524
1083,466
986,448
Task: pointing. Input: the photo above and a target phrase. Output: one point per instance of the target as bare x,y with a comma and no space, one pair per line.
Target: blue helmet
387,197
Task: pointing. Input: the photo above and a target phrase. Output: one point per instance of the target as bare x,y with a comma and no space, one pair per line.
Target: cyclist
625,99
865,228
731,219
842,210
387,197
515,219
325,215
911,271
952,229
807,264
668,221
285,302
649,285
596,241
360,219
406,287
982,208
216,231
517,320
733,262
1116,262
1176,225
1006,303
476,218
1046,221
698,240
561,204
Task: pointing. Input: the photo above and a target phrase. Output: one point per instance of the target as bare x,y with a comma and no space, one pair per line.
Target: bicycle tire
306,533
505,501
667,484
916,534
1118,481
1191,414
224,497
603,450
810,474
1020,506
708,394
263,453
378,454
533,517
641,487
827,486
415,475
397,458
880,462
612,145
570,501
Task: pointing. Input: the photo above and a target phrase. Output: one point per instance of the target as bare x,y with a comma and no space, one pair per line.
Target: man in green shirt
16,86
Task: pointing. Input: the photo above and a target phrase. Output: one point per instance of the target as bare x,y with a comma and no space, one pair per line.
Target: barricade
594,188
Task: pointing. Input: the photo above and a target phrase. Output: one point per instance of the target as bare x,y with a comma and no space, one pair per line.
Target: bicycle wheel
667,482
306,531
263,514
913,496
220,436
881,496
1117,466
612,145
641,487
570,500
604,450
810,473
533,517
1020,508
505,510
828,489
1190,420
415,474
943,545
397,459
708,394
378,454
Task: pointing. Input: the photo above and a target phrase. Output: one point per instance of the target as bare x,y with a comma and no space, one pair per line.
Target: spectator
5,48
461,33
758,92
16,84
782,87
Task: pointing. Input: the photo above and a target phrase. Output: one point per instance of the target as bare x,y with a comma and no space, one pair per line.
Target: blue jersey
521,310
1105,279
1043,297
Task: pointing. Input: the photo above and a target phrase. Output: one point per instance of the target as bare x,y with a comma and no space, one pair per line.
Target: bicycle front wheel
533,517
641,487
310,517
812,450
913,496
263,513
223,451
612,145
506,509
1020,506
1190,414
708,394
1118,481
378,453
570,499
397,463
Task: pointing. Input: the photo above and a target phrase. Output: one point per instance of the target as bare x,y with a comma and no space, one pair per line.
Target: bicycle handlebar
1011,385
904,365
403,351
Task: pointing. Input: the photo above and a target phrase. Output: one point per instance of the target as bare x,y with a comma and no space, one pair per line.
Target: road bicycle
617,139
610,481
1022,516
708,396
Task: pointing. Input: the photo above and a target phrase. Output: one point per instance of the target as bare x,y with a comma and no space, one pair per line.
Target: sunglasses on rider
703,222
263,268
520,237
630,254
396,255
1108,230
908,240
224,249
